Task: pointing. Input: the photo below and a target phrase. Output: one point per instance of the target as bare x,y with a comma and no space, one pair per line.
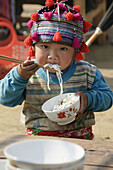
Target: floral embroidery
61,115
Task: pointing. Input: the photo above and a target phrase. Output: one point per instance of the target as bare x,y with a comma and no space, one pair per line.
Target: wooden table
99,154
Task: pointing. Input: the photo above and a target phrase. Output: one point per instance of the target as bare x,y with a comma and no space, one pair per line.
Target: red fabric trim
69,134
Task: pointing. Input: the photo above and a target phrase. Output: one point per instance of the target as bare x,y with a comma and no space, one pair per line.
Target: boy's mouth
51,67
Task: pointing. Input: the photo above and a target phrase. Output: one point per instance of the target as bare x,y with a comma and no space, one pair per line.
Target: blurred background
16,13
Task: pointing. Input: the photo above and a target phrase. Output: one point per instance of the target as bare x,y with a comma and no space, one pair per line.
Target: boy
56,38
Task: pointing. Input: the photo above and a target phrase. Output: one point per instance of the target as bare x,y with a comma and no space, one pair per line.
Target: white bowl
61,116
8,166
45,154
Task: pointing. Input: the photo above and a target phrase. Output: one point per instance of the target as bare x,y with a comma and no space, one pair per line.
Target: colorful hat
58,23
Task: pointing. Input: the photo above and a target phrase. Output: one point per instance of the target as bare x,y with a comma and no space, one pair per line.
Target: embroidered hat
58,23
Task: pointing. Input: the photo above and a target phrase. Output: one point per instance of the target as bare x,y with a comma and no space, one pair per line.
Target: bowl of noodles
63,108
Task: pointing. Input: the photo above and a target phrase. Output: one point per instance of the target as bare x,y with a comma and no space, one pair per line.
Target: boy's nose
53,55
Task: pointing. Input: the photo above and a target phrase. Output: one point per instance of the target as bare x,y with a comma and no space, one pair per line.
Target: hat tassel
86,24
30,23
57,36
76,43
28,41
78,56
30,52
84,48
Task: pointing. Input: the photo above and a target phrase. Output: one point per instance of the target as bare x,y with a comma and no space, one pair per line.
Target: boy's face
54,54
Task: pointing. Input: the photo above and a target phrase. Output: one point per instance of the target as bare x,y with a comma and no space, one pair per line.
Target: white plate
45,153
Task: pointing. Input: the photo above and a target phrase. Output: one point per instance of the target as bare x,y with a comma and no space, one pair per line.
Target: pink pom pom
76,43
30,23
76,17
48,15
35,37
62,7
56,11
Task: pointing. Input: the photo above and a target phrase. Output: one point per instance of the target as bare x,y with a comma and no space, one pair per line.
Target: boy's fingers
27,73
28,58
31,72
31,67
83,104
27,62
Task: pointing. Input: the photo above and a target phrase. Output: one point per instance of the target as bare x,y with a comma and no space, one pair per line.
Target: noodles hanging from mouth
56,67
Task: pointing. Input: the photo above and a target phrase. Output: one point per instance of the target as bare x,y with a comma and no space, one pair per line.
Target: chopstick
15,60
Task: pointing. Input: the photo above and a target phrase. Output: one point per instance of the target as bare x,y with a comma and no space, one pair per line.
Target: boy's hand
83,104
27,68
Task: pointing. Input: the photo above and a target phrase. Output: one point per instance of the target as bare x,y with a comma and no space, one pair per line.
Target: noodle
56,67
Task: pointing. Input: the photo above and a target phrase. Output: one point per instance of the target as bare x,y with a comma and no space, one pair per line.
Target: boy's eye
44,46
63,49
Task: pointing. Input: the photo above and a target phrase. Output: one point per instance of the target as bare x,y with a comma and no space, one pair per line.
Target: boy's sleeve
100,96
12,88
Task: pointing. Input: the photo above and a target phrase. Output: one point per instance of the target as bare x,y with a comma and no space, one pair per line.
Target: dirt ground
102,57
